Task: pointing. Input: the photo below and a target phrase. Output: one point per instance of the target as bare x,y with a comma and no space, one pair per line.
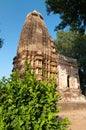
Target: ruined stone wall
68,80
67,72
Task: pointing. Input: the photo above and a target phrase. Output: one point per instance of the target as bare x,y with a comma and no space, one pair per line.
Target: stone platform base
71,99
72,95
72,106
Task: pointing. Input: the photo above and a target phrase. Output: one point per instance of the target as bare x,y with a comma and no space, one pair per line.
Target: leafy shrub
28,104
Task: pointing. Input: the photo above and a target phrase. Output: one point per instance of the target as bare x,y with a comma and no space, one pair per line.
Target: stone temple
37,47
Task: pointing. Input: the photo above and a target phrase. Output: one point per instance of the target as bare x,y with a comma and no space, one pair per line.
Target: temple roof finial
36,13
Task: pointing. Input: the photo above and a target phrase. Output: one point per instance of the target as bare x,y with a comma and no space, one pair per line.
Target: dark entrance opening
68,82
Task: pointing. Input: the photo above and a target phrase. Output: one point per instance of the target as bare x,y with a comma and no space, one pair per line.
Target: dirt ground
77,118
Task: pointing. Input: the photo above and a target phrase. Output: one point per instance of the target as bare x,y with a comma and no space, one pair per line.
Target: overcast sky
12,16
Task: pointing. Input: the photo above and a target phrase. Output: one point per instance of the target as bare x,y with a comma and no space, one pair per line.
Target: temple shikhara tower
37,47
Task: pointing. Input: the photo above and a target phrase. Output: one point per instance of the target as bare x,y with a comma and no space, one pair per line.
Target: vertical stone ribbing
36,46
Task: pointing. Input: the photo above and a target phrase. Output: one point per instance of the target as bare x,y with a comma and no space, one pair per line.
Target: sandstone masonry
37,47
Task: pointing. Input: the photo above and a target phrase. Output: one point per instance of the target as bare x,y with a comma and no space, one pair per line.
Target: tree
73,44
28,104
1,42
72,13
64,43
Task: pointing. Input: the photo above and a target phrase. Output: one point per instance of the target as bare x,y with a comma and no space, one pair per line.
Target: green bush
28,104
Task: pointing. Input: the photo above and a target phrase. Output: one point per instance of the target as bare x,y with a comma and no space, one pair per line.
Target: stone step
72,106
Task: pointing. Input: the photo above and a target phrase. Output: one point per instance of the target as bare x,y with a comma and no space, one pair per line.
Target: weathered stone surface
37,47
68,79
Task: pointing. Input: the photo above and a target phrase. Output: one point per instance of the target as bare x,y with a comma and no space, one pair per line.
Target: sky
12,16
